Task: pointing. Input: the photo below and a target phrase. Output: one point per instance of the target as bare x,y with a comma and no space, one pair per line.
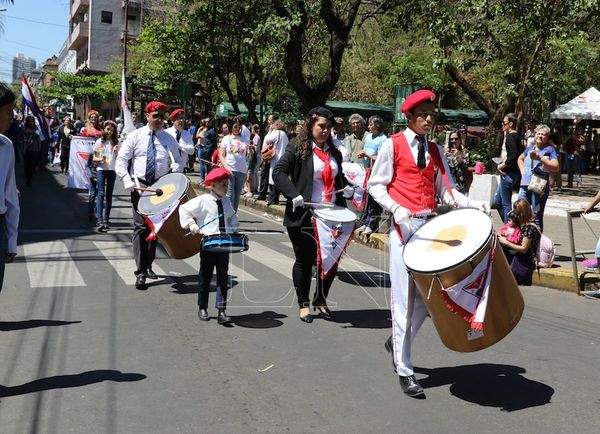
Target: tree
82,87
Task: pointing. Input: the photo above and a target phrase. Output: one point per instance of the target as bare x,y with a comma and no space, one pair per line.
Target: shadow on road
66,381
490,385
368,279
7,326
264,320
365,319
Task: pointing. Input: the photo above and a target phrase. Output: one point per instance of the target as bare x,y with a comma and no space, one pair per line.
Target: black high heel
324,312
306,318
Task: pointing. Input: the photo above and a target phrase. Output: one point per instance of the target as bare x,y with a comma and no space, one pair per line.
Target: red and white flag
127,118
156,221
468,298
332,238
357,176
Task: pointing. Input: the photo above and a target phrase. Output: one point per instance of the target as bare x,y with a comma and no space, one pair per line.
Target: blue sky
40,39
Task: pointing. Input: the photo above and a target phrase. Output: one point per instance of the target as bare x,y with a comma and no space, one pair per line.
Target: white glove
175,168
400,214
297,202
128,184
194,228
348,192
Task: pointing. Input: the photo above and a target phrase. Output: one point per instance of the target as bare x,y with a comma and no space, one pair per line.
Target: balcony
79,6
79,35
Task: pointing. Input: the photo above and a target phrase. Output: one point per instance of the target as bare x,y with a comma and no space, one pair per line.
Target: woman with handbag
535,164
523,261
310,170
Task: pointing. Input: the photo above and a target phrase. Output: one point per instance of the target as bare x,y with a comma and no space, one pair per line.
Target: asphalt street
83,351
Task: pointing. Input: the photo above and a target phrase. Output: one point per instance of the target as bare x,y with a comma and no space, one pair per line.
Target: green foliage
82,87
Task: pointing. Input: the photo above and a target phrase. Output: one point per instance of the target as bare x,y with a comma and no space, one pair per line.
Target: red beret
215,175
175,113
156,106
417,98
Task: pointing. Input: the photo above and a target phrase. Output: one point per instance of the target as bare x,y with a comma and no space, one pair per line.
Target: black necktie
178,136
221,216
421,156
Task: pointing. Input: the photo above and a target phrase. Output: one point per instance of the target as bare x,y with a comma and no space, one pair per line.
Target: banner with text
79,172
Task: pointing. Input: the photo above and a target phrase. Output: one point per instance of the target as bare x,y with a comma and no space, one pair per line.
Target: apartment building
96,32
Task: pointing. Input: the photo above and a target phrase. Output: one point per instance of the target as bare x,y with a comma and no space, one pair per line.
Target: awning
225,109
585,106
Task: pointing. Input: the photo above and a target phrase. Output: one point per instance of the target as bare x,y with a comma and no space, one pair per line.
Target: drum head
336,214
447,241
173,186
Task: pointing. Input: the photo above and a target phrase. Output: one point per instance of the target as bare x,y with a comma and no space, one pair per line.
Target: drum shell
231,243
504,309
172,235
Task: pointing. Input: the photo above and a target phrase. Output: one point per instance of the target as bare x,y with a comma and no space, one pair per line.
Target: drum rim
452,267
324,208
148,194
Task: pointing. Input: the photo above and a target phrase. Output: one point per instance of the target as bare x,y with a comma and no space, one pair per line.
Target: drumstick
316,204
156,191
208,162
137,181
189,234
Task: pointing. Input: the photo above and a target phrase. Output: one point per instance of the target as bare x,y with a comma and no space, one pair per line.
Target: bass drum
176,190
447,249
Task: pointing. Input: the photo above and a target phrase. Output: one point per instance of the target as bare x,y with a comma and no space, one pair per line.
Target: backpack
545,253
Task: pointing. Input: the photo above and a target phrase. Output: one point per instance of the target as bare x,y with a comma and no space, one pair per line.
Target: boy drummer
214,213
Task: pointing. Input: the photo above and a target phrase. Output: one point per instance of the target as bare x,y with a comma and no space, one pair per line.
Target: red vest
411,187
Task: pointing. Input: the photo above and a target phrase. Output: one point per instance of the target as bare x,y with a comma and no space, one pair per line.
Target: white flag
127,119
332,238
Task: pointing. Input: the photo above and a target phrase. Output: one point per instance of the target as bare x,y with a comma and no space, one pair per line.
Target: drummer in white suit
406,178
146,154
184,139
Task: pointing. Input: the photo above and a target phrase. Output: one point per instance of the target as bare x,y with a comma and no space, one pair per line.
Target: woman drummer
310,170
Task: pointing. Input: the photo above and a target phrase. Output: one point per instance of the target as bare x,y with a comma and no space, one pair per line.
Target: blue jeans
372,213
537,202
235,187
106,185
503,199
92,192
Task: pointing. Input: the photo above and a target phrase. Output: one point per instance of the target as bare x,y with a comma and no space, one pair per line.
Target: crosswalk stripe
349,264
120,257
270,258
50,265
240,273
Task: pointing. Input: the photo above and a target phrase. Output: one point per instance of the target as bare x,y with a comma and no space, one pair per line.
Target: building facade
22,64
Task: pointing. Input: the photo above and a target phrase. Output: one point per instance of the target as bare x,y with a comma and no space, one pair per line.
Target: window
131,17
106,17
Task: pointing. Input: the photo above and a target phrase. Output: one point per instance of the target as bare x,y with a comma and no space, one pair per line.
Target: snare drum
447,249
225,243
176,189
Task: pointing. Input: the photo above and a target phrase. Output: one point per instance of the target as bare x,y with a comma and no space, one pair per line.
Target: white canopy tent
585,106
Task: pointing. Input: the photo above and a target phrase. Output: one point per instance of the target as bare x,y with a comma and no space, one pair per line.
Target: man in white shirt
404,161
180,134
146,154
9,200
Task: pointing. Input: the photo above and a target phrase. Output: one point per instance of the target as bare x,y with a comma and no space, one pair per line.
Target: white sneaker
361,229
368,231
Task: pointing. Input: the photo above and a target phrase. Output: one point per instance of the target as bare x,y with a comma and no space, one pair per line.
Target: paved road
83,351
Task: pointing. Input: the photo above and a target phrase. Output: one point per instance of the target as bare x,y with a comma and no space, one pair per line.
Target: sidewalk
555,226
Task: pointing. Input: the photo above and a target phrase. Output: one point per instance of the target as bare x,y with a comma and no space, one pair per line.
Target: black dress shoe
223,318
306,318
140,282
411,386
324,312
203,315
151,274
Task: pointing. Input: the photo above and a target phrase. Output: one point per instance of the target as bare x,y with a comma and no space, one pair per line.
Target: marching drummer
210,214
180,134
146,154
406,178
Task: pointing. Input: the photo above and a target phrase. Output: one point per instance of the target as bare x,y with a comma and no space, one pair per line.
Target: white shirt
9,199
186,143
202,209
104,149
134,149
383,171
246,133
340,145
318,165
236,148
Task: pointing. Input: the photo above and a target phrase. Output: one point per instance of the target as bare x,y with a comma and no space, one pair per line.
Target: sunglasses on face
157,115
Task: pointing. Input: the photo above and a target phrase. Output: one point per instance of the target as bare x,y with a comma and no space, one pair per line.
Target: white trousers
408,309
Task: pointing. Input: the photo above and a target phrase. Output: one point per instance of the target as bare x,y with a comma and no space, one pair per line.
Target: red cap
175,113
417,98
156,106
215,175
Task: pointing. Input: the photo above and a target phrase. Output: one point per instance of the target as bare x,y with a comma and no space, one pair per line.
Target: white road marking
120,257
50,265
